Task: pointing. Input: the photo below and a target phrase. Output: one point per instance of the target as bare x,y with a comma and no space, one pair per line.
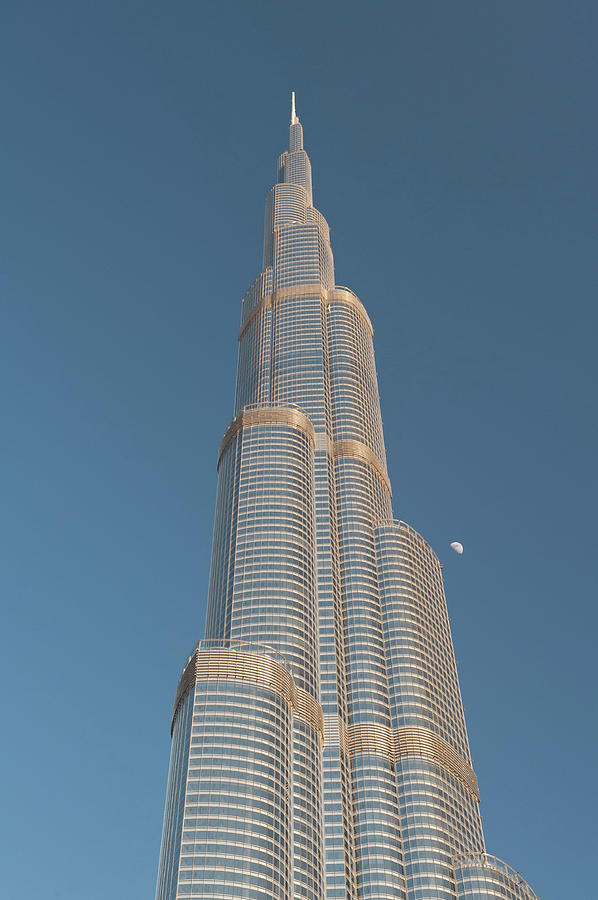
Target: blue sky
454,156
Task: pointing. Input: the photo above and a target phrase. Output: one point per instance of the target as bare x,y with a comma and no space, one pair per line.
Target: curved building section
361,500
436,784
297,356
286,205
422,671
483,877
380,872
172,829
353,380
231,780
262,587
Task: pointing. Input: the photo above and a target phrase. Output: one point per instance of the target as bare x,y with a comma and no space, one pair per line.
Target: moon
457,547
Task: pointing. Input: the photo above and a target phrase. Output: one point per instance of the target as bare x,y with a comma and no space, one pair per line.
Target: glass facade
485,877
319,748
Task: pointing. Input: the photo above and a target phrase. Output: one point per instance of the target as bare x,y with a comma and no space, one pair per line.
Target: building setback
319,748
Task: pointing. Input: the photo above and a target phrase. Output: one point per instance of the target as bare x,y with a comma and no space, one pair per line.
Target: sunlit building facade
319,748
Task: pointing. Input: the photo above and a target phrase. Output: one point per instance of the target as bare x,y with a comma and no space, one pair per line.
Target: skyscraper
319,748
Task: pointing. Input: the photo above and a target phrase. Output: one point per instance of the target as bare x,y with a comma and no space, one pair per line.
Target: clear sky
454,155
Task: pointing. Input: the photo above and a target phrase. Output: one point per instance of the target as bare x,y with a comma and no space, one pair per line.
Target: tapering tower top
294,118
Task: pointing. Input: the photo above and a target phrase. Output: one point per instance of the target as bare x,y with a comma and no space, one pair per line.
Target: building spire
295,130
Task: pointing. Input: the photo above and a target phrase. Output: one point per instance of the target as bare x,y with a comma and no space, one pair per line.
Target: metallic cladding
319,745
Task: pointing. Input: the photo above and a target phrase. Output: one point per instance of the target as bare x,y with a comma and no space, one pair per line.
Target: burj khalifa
319,748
